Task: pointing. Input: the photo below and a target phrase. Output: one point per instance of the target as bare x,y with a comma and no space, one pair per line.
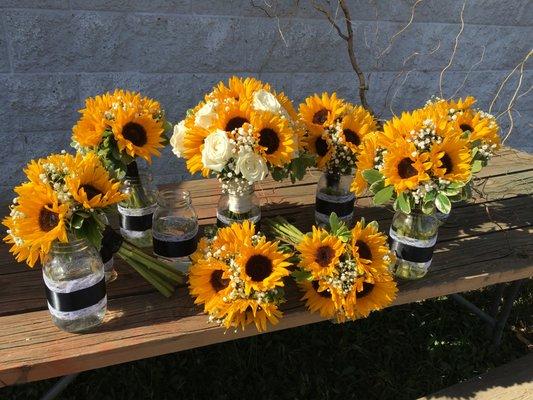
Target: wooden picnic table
484,242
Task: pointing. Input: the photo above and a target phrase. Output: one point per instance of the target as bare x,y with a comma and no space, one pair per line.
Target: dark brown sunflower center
90,191
352,137
269,138
406,169
324,255
364,250
258,267
48,220
321,147
235,123
367,289
217,282
447,163
466,127
135,133
323,293
320,116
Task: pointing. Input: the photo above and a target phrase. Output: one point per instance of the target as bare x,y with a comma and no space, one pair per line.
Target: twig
468,73
513,98
441,76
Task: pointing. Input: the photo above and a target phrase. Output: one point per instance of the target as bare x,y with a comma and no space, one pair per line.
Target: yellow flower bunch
64,195
334,131
238,277
120,126
425,159
241,130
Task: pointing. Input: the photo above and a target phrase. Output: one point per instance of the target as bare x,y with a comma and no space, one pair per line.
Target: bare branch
330,19
454,48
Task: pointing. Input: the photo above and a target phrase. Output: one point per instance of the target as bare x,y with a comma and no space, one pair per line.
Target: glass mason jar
107,254
74,280
333,195
175,227
238,206
137,211
413,237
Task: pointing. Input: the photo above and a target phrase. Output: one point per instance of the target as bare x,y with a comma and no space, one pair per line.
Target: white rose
266,101
252,167
217,150
176,141
206,116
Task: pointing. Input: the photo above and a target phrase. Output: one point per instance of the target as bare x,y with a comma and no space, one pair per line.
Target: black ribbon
77,300
341,209
412,253
170,249
138,223
111,243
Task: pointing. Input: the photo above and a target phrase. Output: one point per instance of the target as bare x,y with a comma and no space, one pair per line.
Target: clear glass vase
137,211
175,228
106,252
413,237
74,279
333,195
238,206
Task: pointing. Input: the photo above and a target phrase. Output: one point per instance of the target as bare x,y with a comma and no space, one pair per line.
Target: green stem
163,287
159,267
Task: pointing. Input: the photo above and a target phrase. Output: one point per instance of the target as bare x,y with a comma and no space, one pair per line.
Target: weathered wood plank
141,326
512,381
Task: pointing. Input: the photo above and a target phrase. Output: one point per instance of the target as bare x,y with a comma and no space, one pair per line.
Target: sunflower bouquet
241,132
65,198
334,131
237,276
121,127
343,272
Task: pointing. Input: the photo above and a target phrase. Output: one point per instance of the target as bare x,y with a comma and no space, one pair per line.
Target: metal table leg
58,388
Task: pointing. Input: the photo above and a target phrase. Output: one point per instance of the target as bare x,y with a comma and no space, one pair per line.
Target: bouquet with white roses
241,132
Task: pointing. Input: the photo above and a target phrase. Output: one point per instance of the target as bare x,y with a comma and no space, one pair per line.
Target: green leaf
428,208
374,224
334,223
443,203
476,166
301,275
430,196
456,185
76,221
372,175
403,203
91,231
384,195
377,186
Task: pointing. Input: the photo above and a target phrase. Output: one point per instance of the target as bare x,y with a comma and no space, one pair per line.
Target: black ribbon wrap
170,249
412,253
341,209
138,223
77,300
111,243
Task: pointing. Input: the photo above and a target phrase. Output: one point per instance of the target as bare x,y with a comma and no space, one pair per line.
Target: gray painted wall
54,53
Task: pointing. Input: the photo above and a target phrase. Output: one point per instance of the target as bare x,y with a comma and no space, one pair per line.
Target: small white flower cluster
343,159
425,137
233,185
344,278
419,193
378,159
487,150
55,177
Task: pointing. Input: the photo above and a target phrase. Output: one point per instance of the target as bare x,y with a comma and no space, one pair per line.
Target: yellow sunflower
274,136
243,312
39,220
356,124
404,167
451,159
137,135
89,129
231,238
478,126
374,296
234,115
91,185
263,266
365,160
320,111
320,252
209,284
193,144
318,300
286,103
201,250
61,164
318,146
369,247
237,89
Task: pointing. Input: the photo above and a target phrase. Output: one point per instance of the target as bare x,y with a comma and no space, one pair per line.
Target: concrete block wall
55,53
